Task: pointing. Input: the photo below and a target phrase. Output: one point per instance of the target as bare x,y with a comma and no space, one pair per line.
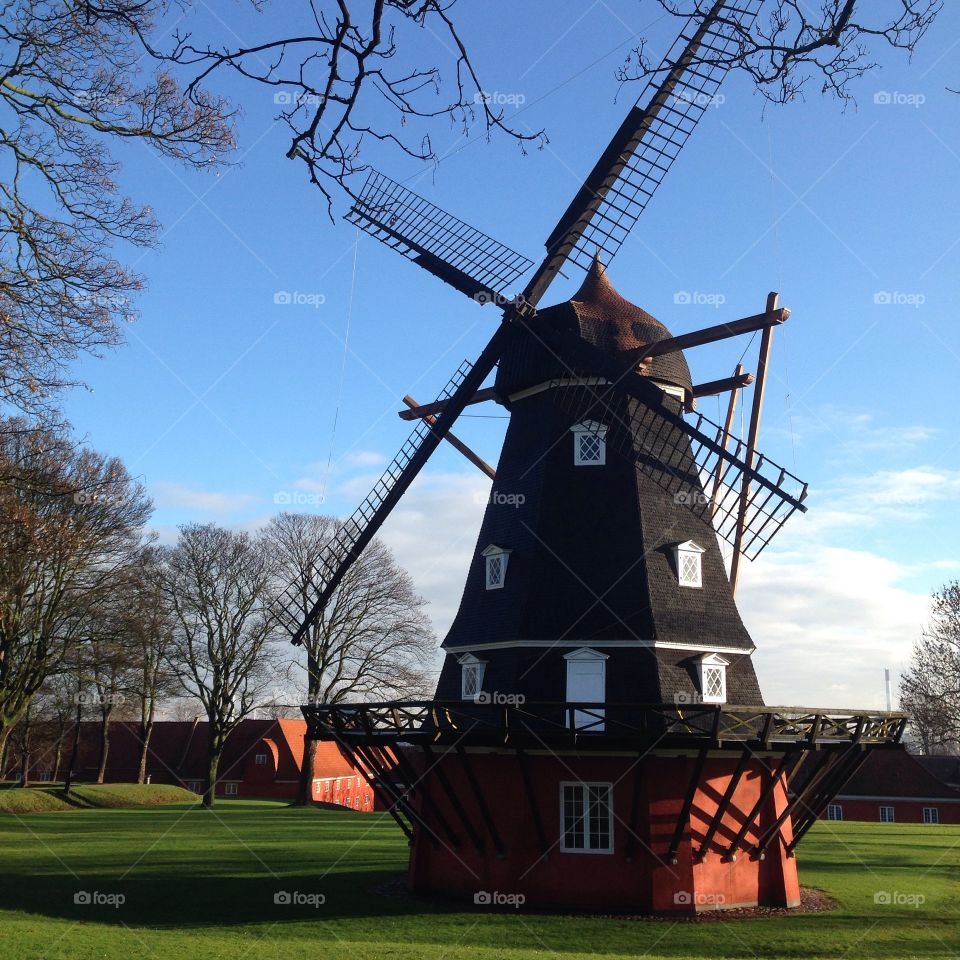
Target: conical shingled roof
614,324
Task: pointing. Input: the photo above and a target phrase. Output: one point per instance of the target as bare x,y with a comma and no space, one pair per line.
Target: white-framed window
260,759
589,444
887,815
586,683
195,786
931,815
586,817
713,678
46,776
471,676
495,570
834,811
689,559
231,789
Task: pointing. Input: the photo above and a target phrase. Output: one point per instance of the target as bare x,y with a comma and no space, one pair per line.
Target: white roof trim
586,653
470,660
690,547
493,550
589,426
640,644
714,660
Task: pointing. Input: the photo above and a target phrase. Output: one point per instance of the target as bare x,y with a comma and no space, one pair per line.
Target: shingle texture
593,546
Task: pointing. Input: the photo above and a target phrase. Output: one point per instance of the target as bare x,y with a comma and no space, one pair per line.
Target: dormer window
495,560
713,678
589,444
471,676
689,560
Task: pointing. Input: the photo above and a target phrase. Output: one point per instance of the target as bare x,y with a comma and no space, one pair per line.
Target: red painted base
648,796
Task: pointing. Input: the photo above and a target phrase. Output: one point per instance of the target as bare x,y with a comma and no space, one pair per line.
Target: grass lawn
200,885
14,799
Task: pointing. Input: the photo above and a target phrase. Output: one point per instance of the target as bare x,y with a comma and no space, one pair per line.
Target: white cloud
853,432
179,495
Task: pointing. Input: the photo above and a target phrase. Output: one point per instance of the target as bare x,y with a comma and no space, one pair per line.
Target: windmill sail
682,457
648,141
442,244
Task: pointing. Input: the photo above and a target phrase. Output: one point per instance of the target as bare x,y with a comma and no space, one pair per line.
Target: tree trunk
25,749
146,731
216,748
104,744
305,792
58,753
5,742
75,750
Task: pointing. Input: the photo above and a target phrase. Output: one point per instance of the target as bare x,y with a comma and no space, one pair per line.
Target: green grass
200,885
90,795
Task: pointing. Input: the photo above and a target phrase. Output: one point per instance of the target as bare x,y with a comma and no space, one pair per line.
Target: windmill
609,578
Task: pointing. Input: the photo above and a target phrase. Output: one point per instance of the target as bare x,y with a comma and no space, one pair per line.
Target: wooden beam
763,361
712,387
418,412
722,464
772,317
454,441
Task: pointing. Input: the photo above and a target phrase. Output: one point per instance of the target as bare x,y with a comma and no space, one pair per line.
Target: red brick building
262,758
894,786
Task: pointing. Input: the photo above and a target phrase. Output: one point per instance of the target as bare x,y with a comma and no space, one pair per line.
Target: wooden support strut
420,783
481,802
724,804
436,766
722,464
773,299
456,442
684,816
534,808
765,794
423,410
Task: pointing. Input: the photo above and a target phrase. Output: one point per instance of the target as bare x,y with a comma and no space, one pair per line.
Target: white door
586,683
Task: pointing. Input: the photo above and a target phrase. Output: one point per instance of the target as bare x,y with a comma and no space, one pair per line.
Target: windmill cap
614,324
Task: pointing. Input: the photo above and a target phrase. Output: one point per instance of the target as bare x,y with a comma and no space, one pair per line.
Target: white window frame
231,789
584,788
835,812
692,552
593,429
709,663
888,814
260,759
195,786
931,815
490,555
589,721
471,666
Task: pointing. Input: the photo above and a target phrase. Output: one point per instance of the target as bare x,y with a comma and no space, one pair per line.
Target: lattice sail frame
298,600
466,258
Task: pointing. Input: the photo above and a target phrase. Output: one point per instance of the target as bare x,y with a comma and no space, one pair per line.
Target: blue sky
221,399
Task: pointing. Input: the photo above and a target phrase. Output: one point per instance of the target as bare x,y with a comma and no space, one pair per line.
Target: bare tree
148,625
833,42
353,72
373,638
70,521
217,583
74,83
930,688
